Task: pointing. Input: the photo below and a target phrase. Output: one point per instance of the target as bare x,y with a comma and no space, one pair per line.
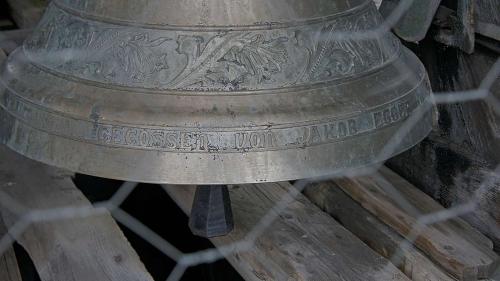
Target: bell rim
118,162
129,172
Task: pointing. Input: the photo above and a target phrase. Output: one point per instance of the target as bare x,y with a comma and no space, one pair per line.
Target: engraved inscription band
220,140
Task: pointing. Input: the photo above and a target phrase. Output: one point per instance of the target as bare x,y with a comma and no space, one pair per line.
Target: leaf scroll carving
223,60
258,57
137,58
249,57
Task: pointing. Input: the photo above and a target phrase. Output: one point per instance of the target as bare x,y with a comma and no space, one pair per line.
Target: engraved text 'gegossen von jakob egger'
276,138
197,140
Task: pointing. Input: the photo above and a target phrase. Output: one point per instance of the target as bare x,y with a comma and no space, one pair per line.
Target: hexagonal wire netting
186,260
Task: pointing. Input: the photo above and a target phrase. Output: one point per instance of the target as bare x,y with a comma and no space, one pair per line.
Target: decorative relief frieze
208,60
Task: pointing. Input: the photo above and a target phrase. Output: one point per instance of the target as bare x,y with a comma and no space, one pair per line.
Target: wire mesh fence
184,261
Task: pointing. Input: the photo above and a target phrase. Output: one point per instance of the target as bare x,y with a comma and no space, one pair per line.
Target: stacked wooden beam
27,13
379,236
9,270
350,241
84,247
463,150
384,209
301,243
445,250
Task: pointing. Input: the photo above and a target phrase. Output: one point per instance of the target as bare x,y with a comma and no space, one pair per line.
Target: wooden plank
11,39
456,248
88,248
456,27
488,18
463,150
9,270
303,243
27,13
378,3
6,24
379,236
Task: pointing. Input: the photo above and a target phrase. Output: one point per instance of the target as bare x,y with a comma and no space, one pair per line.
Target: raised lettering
353,127
342,128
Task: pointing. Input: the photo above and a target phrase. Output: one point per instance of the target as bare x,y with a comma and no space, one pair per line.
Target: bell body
211,91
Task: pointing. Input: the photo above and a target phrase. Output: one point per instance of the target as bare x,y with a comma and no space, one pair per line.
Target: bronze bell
210,91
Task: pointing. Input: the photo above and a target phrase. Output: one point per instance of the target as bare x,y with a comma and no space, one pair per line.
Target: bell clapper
211,213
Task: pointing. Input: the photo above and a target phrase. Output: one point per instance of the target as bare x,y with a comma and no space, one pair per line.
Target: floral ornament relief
330,57
219,61
251,56
137,58
228,60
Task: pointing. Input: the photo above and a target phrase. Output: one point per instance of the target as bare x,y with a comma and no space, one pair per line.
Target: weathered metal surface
236,92
416,21
455,26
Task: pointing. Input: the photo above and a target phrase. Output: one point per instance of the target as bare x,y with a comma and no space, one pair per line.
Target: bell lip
328,171
226,168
